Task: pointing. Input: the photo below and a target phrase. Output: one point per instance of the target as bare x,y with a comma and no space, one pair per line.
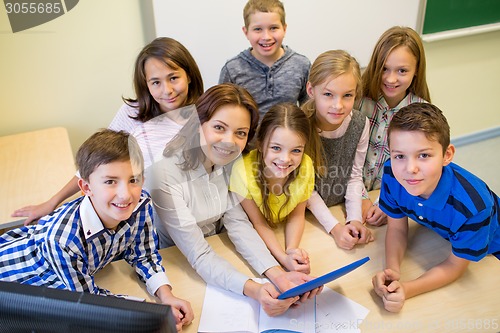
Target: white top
153,135
123,121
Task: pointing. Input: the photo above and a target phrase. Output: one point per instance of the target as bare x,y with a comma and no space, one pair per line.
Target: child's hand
375,216
394,297
34,212
347,236
267,297
382,279
181,309
297,260
183,313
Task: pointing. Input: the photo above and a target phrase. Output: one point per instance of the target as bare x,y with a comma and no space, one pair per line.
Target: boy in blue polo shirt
113,219
422,183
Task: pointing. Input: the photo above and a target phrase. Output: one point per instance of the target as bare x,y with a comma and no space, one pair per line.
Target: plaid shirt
379,114
68,247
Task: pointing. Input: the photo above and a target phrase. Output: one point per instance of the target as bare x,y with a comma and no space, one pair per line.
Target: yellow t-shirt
244,179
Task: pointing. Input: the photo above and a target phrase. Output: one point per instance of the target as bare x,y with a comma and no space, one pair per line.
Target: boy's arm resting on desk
143,254
386,284
469,243
436,277
181,309
389,285
396,241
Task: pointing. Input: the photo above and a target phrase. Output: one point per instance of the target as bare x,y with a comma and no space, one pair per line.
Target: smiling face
398,73
334,100
282,153
265,33
168,87
114,190
417,162
224,136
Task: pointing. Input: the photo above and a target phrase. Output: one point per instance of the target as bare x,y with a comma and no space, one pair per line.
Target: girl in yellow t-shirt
275,180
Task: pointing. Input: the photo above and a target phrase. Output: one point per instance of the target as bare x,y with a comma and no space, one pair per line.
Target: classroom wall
464,79
73,71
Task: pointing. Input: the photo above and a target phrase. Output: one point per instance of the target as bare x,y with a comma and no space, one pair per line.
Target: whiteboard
211,29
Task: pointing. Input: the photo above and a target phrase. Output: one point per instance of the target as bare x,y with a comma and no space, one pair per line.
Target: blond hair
327,66
264,6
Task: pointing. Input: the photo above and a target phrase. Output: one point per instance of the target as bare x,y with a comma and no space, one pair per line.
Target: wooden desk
471,304
33,167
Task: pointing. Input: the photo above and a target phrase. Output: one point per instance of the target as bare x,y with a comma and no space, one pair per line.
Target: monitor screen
25,308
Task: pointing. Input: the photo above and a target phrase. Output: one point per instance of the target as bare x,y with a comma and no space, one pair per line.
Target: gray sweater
339,159
284,81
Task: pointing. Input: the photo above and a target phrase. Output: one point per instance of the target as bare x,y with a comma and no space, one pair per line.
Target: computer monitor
26,308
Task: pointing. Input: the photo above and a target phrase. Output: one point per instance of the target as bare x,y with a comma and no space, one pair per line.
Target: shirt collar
91,223
404,102
200,172
440,195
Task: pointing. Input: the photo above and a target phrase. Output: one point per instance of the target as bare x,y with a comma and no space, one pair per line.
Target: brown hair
215,97
264,6
327,66
174,55
286,115
391,39
107,146
422,117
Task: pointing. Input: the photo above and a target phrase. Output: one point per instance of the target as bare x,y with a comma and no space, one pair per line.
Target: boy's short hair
107,146
264,6
422,117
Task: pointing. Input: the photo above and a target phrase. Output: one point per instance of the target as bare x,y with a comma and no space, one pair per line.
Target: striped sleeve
472,240
143,254
387,203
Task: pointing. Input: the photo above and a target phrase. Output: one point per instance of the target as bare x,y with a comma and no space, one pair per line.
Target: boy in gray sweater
271,72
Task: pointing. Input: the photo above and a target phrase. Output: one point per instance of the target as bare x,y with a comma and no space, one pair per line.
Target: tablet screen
310,285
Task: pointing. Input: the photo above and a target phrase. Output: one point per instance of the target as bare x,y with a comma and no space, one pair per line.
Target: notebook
227,312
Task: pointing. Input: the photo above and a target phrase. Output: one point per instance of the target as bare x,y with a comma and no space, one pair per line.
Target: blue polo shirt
462,209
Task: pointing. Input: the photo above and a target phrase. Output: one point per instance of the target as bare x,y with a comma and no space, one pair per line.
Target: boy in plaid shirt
113,219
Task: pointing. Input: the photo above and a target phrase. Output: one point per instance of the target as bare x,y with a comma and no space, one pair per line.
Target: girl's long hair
327,66
391,39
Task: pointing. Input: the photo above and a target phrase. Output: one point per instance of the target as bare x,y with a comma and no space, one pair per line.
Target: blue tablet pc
310,285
